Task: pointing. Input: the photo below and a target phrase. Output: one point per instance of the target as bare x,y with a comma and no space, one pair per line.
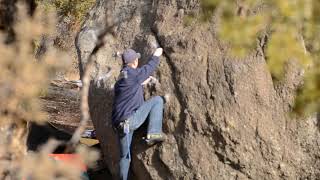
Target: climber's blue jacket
128,90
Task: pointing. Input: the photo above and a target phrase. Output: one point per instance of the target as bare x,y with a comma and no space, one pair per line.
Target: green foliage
293,29
279,52
242,33
76,9
308,98
238,25
208,6
188,20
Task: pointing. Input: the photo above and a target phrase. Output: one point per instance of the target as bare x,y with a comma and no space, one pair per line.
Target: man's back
129,90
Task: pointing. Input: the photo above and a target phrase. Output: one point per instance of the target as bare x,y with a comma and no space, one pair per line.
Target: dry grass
23,78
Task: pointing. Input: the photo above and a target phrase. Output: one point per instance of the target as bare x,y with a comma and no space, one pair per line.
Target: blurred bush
292,31
23,79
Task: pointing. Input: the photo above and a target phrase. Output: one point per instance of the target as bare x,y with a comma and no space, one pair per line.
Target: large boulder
226,119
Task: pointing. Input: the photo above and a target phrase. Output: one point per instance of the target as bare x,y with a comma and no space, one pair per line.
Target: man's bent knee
125,160
158,99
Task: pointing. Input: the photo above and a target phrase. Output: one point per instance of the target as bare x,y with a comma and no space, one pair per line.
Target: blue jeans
152,108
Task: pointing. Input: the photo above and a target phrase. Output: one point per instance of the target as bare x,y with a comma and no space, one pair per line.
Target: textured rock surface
226,119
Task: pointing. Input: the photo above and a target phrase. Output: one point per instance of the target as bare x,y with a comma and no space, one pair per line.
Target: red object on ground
73,159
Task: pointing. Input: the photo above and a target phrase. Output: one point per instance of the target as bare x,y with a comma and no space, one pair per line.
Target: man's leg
152,107
125,156
156,116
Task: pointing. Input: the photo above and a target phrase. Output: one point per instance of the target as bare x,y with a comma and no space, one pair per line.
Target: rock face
226,118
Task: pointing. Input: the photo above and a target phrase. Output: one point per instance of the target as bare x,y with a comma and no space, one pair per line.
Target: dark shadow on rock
139,46
100,104
40,134
145,43
100,171
318,120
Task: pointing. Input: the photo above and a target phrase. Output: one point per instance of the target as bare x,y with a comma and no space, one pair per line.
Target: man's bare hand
146,81
158,52
151,80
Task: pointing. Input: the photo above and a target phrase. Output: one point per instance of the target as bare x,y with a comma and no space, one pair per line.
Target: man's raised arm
146,70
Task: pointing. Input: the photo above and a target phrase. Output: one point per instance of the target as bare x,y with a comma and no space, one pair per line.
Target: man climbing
129,108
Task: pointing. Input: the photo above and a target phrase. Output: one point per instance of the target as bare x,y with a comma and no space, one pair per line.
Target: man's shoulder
127,75
130,70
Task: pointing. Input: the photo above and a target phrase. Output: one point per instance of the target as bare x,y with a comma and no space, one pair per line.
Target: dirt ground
62,104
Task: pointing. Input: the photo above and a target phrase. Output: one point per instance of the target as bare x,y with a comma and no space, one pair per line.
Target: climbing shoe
152,139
